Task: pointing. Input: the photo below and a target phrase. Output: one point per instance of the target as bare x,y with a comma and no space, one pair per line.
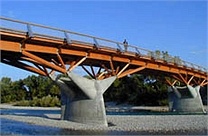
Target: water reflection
31,112
44,113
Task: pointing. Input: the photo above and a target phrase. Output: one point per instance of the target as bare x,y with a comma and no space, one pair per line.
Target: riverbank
118,124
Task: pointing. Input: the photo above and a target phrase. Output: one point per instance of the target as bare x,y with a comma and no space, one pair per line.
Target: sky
179,27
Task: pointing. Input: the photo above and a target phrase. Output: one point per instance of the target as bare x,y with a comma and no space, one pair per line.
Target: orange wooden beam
183,79
177,78
130,71
174,83
119,73
92,55
190,80
168,81
50,45
61,61
78,63
106,69
25,67
204,82
112,67
43,62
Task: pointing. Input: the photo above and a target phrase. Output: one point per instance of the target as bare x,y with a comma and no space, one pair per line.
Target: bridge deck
57,53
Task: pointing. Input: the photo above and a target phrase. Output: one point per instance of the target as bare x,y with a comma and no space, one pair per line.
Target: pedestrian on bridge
125,45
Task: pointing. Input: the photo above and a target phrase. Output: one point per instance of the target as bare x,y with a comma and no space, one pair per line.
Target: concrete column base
185,99
82,99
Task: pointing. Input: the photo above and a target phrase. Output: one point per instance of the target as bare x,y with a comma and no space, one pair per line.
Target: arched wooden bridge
43,50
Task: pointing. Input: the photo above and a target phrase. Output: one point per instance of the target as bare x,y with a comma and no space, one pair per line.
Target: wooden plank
10,46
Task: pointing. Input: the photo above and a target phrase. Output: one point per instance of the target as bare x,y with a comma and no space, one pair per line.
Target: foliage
137,90
7,94
40,86
31,88
47,101
203,93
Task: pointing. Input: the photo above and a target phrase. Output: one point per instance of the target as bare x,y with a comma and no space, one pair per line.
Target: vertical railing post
67,39
119,47
96,44
29,31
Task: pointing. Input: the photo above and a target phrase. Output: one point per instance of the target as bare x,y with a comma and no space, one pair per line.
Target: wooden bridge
42,49
45,50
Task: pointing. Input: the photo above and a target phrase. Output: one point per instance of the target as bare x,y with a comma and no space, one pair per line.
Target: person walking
125,45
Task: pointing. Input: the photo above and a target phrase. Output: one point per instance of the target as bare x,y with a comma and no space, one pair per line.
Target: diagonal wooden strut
100,77
204,82
24,66
77,64
37,64
169,82
183,79
123,69
43,62
61,60
112,67
131,71
190,80
113,62
106,69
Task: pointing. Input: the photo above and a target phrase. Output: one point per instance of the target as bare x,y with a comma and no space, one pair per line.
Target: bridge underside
82,99
44,55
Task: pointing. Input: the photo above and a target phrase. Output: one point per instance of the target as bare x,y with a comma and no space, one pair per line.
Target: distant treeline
30,91
41,91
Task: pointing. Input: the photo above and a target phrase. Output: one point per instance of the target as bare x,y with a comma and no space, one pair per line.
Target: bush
46,101
163,102
23,103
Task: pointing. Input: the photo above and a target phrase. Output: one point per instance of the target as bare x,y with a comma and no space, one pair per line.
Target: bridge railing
35,29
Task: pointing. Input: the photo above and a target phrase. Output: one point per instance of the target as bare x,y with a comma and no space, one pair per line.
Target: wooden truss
45,55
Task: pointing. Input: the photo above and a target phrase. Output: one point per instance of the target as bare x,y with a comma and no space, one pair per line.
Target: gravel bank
140,124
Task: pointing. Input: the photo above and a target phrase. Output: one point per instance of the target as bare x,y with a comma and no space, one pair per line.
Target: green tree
18,90
32,87
6,91
138,90
40,86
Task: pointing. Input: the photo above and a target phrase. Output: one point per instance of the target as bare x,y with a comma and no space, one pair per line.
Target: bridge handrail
67,31
136,49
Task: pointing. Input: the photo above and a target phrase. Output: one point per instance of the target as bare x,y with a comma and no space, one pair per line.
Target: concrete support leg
185,99
82,99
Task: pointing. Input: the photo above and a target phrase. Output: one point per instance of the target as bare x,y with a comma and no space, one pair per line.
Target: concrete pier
185,99
82,99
